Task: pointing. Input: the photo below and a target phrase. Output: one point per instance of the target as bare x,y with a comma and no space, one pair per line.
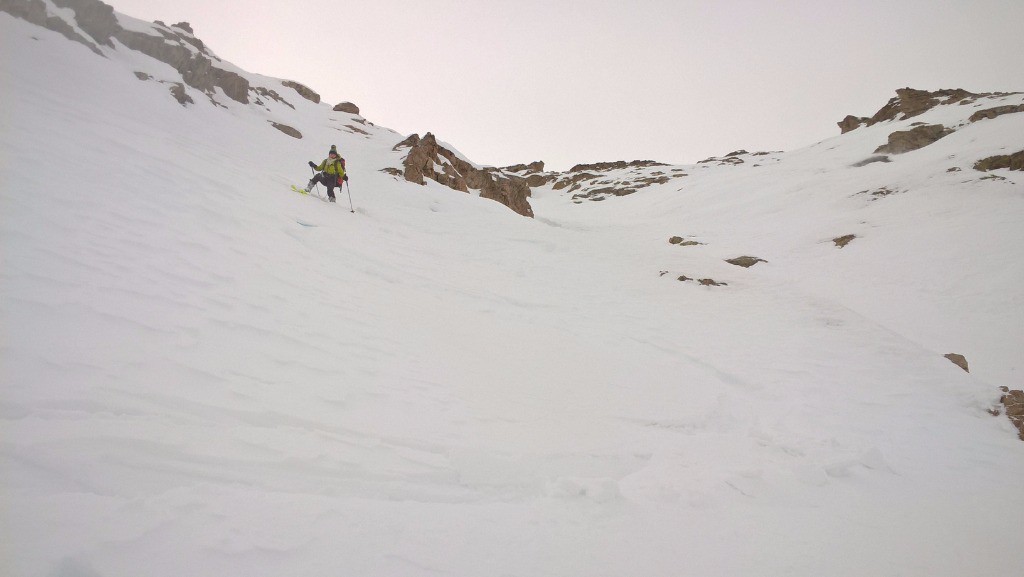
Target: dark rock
711,282
411,141
606,166
531,168
356,130
179,94
303,90
347,107
909,103
745,261
1013,161
185,26
723,160
34,12
842,241
907,140
94,18
272,95
852,122
1013,403
882,192
990,113
425,155
533,173
197,70
287,129
958,360
680,241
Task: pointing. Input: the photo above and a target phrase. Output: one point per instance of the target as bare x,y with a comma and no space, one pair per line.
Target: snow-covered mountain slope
932,258
204,373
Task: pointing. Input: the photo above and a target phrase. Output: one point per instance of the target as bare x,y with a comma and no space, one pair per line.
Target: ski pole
349,189
317,184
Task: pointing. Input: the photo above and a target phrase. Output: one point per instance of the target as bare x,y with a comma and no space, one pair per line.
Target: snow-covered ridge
910,121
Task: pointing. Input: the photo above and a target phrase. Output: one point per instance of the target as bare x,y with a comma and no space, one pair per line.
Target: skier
332,172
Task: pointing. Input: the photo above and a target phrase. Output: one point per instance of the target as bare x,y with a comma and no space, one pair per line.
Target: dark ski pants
328,180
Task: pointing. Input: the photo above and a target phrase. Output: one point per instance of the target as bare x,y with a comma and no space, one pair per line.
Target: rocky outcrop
428,159
179,94
176,46
287,129
303,90
907,140
94,18
532,168
533,173
680,241
598,181
34,12
622,164
996,111
702,282
852,122
958,360
909,103
745,261
263,92
1013,404
1013,161
346,107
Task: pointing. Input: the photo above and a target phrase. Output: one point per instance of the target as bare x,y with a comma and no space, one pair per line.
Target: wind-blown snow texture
204,373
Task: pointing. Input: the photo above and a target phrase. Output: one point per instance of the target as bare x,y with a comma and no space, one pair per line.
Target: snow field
204,373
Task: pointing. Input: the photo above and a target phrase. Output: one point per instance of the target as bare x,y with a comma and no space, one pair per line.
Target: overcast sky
570,81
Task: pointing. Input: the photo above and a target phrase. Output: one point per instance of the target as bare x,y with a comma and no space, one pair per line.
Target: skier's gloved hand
312,165
346,178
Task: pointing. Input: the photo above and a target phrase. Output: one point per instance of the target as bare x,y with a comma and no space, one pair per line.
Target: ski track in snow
205,373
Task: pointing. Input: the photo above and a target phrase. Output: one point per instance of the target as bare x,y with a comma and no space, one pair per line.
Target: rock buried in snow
287,129
958,360
680,241
1013,161
842,241
907,140
745,261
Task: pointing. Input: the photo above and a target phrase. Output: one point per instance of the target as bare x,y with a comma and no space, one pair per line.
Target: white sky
570,81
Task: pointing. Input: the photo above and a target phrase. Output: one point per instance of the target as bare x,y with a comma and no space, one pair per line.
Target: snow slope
203,373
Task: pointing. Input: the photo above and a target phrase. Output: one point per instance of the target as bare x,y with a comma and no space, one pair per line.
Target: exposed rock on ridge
910,102
906,140
428,159
175,46
346,107
34,12
599,180
1013,161
303,90
1013,404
